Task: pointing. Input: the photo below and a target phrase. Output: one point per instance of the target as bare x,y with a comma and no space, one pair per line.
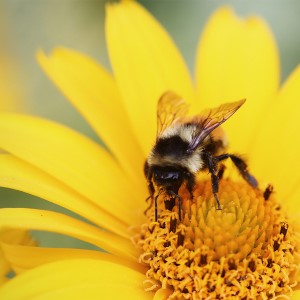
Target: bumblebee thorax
171,149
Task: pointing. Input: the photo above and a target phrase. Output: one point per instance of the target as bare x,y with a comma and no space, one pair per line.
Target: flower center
243,251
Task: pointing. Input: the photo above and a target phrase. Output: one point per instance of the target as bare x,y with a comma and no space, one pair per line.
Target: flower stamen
245,250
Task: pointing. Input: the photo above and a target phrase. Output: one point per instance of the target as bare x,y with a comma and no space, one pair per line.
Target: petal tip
40,54
225,11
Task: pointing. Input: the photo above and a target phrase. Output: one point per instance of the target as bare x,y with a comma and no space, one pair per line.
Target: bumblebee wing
170,108
210,119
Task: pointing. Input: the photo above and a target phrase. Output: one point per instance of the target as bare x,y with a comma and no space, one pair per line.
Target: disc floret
246,250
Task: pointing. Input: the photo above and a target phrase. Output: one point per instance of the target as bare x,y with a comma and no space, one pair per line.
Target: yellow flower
251,243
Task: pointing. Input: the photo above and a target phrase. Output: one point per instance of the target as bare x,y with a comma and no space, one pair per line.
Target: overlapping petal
236,59
21,258
93,91
146,63
73,159
17,174
35,219
277,144
13,237
76,279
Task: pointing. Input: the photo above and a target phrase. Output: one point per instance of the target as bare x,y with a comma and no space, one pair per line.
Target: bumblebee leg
179,206
191,184
155,208
150,197
243,169
215,188
241,166
221,171
150,205
212,164
179,203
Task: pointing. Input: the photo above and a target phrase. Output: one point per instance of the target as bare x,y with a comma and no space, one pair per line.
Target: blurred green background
32,24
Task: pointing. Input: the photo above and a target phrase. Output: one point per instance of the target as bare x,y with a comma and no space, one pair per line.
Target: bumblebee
186,146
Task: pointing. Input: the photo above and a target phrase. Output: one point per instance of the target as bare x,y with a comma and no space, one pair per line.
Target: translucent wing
170,108
211,119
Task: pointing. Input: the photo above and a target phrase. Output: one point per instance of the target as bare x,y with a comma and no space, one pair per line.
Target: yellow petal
11,236
35,219
295,295
3,280
73,159
109,292
76,279
237,59
276,151
22,258
162,294
17,236
4,267
17,174
146,63
291,201
93,91
92,291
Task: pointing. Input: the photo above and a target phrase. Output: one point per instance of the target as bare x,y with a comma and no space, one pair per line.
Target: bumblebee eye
167,175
